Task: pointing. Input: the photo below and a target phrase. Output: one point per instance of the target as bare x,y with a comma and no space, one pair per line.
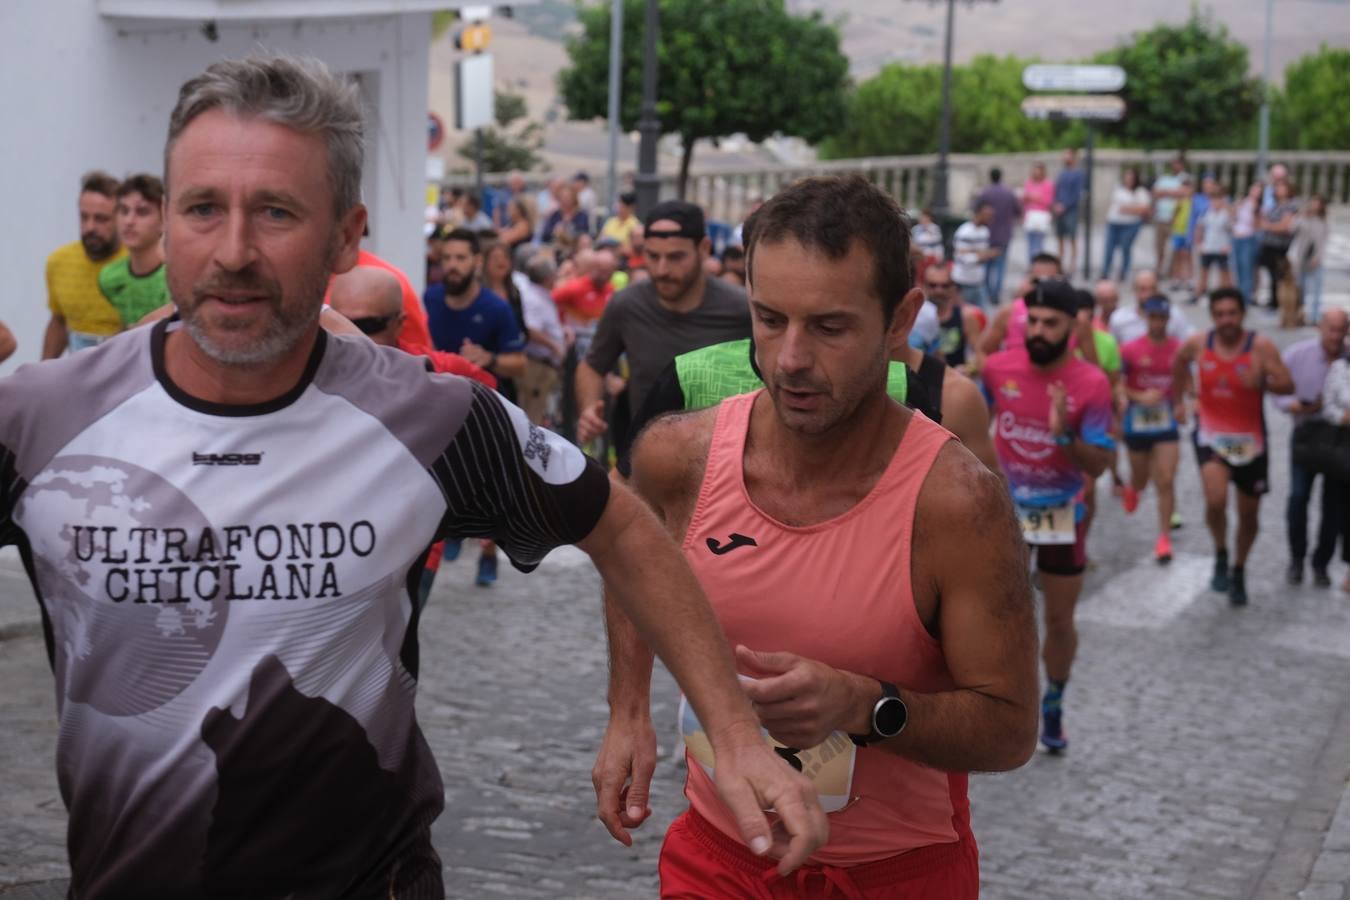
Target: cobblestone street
1209,758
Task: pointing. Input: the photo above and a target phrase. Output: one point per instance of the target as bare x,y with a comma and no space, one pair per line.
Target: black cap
1085,300
628,198
688,216
1054,293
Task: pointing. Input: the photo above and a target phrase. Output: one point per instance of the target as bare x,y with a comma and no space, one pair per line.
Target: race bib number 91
828,765
1047,525
1236,449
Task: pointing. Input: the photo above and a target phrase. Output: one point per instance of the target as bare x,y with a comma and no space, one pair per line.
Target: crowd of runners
835,467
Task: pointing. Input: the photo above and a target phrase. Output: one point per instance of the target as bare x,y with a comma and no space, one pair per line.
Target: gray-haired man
230,609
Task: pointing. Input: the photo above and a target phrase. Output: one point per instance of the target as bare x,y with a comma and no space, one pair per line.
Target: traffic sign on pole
1089,79
1109,108
474,38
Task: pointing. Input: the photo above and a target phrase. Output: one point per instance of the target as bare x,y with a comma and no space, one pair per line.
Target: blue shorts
1066,223
1181,242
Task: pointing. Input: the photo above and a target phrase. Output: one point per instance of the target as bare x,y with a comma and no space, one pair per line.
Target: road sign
435,131
474,38
1098,79
473,94
1097,107
475,13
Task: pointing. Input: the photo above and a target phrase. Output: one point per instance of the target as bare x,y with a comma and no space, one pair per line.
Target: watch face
888,718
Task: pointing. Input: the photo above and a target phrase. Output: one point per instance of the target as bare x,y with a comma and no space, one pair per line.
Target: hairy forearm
965,731
630,663
1090,458
56,338
510,365
590,385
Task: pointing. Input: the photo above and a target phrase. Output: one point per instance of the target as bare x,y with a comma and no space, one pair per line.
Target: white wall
82,91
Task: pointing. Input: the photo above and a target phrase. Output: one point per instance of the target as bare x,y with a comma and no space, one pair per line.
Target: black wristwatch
492,364
889,716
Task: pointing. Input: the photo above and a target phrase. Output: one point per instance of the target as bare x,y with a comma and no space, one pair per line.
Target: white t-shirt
967,267
1218,234
541,314
928,238
1122,197
924,335
1127,325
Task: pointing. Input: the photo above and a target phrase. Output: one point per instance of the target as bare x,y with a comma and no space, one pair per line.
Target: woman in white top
1129,204
1038,195
1245,241
1306,252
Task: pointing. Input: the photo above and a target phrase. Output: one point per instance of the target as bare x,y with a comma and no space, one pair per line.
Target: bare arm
970,326
509,365
966,415
1279,380
1182,383
590,387
7,342
56,339
997,330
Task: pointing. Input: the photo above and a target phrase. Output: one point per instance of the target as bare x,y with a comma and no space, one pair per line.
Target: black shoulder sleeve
665,396
516,483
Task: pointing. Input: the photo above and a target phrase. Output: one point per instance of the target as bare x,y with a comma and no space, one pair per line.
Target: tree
1186,85
1311,110
732,66
896,112
506,148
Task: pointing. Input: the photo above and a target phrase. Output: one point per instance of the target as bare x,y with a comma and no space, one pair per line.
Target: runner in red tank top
885,660
1236,368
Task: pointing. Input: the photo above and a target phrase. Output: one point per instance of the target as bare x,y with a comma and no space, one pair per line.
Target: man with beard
81,315
135,284
1053,436
680,308
1237,367
467,318
224,518
883,658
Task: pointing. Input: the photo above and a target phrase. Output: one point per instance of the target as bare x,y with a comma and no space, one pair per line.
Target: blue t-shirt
1069,188
488,321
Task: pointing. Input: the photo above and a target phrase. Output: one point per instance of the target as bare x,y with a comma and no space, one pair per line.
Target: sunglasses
939,286
374,324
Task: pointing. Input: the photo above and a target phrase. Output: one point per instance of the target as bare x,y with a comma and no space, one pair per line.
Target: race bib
828,765
1150,419
1047,524
1236,449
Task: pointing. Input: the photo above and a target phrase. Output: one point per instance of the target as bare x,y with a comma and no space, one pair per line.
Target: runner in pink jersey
1052,415
1151,419
1236,368
826,521
1008,326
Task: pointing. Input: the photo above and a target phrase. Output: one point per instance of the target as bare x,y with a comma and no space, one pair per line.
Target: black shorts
1064,559
1253,479
1143,443
1213,259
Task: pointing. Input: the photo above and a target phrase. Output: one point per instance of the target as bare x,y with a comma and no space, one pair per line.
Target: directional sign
475,13
1108,108
1098,79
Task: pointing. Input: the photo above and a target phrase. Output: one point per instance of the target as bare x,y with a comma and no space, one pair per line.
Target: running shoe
1237,588
1162,551
487,571
452,549
1129,498
1219,581
1294,574
1052,722
1321,578
1177,521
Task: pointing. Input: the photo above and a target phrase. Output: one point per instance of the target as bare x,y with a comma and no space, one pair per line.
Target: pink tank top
1016,333
839,592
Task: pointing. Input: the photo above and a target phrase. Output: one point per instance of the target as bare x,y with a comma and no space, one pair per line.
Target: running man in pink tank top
832,530
1236,368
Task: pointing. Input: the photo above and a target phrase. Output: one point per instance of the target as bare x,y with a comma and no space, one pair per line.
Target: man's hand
1057,208
752,778
801,701
1305,407
1150,397
475,353
591,422
1059,409
623,775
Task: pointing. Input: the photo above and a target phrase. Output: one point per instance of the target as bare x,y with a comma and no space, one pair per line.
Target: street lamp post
615,87
648,183
940,202
1263,141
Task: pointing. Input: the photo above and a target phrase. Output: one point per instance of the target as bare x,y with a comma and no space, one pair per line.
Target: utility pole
648,183
615,86
940,201
1263,142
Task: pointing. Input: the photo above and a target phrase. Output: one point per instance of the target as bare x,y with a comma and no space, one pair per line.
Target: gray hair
295,91
541,269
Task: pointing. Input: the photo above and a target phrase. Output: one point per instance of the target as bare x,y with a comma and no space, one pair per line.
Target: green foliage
726,67
506,147
897,112
1312,108
1187,86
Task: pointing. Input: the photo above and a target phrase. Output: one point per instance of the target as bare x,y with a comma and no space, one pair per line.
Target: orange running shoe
1162,550
1129,498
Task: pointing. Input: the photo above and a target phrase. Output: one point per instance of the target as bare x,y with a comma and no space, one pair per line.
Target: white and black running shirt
228,600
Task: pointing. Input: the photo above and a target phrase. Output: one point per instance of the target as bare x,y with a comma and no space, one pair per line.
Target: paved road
1210,755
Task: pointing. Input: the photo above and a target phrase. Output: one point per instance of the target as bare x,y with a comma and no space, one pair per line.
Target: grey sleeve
518,484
